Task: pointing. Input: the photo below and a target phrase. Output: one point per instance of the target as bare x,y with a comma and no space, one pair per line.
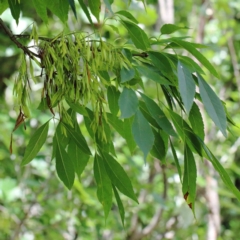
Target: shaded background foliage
34,205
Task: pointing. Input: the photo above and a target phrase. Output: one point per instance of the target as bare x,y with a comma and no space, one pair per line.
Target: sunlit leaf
104,185
35,143
213,105
142,133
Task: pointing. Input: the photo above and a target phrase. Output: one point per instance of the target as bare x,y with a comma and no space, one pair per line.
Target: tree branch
17,43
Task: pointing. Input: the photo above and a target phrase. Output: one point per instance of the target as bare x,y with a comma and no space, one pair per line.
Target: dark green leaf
3,6
176,160
142,133
159,115
113,96
35,143
159,150
72,4
78,138
197,55
85,9
189,178
213,105
79,158
95,7
196,121
186,85
127,15
170,28
64,165
41,10
119,203
118,176
124,129
138,36
128,102
104,185
126,74
77,107
58,7
14,6
186,133
149,73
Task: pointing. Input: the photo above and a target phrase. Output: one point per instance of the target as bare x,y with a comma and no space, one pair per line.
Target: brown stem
17,43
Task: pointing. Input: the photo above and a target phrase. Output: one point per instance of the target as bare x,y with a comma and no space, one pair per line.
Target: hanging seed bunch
72,70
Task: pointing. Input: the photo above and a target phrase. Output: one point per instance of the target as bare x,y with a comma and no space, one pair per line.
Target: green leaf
104,185
176,160
35,143
64,165
77,107
79,158
170,28
189,178
118,176
158,150
85,9
78,138
119,203
124,129
3,5
41,10
72,4
162,63
127,15
149,73
213,105
15,9
126,74
142,133
196,121
113,96
188,46
95,7
186,133
128,103
159,116
59,8
138,36
186,85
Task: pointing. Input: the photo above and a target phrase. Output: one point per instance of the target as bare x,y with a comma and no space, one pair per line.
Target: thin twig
17,43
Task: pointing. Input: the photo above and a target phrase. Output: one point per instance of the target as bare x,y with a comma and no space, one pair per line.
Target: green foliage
104,82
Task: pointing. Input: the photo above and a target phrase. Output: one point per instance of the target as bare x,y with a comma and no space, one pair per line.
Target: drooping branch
15,41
